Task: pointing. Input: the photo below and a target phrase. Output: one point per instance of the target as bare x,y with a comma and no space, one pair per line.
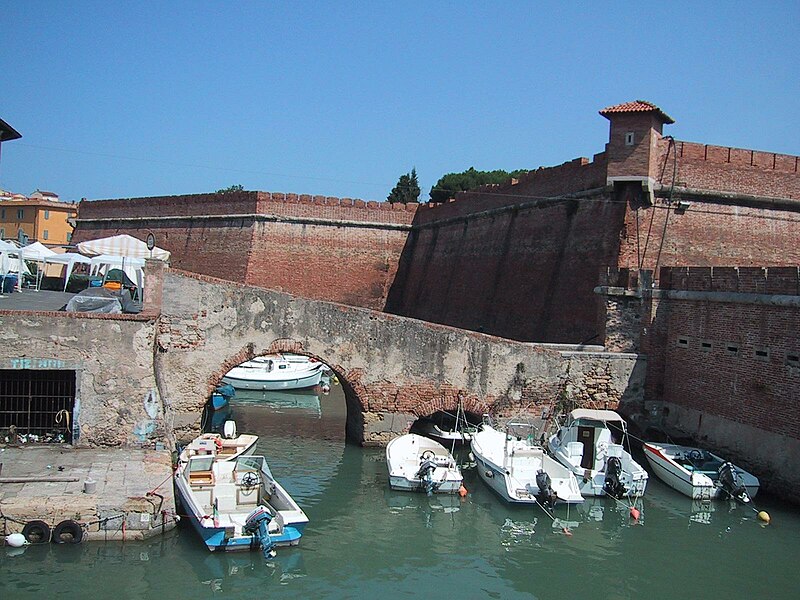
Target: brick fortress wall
743,209
512,260
723,352
341,250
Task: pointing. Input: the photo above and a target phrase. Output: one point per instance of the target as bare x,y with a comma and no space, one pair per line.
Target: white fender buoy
16,540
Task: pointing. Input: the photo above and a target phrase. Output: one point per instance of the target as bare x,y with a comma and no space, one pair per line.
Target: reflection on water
298,402
365,540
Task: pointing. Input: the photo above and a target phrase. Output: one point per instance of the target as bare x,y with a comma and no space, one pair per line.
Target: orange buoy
764,516
635,513
462,491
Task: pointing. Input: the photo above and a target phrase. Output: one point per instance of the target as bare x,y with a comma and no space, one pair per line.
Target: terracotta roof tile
637,106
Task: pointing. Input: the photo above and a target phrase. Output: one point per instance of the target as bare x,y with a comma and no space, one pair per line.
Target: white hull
668,464
584,444
277,372
510,466
405,455
445,437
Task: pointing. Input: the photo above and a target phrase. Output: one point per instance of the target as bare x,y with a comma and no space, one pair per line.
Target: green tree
449,184
232,188
407,189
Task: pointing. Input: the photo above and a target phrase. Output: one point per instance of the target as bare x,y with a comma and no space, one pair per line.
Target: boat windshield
253,463
200,463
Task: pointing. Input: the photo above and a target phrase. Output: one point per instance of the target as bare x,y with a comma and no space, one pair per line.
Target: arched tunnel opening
446,426
297,406
301,393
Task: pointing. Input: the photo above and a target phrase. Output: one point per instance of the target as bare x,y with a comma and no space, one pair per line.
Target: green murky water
365,541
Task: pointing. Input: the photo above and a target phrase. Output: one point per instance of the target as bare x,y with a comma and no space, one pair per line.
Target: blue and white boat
233,500
276,372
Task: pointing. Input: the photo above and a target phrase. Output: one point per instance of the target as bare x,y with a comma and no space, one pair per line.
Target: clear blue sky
127,99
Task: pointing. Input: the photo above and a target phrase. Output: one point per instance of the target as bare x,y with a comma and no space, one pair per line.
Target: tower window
629,138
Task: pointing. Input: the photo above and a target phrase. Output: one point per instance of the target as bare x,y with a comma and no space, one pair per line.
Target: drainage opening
36,406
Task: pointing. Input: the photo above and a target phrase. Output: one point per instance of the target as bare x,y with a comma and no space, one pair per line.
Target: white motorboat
446,437
417,463
276,372
700,474
233,500
518,469
226,446
449,430
586,444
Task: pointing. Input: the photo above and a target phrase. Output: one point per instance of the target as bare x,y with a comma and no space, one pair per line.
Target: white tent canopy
7,247
35,251
69,259
122,245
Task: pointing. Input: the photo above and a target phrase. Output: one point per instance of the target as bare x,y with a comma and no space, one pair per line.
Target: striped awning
122,245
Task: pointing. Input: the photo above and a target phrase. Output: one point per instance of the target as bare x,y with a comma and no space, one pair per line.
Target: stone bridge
143,378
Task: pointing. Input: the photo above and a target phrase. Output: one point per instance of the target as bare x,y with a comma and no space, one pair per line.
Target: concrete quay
129,494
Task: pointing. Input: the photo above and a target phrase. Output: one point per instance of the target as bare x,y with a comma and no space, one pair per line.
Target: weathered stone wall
118,403
525,270
394,369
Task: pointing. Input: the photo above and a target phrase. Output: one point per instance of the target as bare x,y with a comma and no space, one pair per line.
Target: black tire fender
36,532
68,532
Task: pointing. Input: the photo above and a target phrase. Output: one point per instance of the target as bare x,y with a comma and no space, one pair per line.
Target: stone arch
449,400
354,393
392,368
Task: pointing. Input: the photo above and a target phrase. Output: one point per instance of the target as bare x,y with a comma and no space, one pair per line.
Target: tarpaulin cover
99,300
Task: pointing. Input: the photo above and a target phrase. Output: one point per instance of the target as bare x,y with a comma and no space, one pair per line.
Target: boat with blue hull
234,502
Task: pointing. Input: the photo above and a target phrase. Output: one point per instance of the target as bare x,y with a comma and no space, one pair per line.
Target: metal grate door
38,404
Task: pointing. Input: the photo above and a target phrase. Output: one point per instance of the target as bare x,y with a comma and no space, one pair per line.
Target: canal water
365,541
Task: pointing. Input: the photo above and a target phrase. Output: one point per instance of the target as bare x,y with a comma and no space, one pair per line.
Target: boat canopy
606,416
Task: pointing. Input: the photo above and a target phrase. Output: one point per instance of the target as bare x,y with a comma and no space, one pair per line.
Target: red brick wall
740,386
525,274
351,265
342,250
733,170
710,234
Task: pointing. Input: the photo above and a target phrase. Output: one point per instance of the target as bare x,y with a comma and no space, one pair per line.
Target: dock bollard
89,485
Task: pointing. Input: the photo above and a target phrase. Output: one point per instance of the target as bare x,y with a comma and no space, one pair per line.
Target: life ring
68,532
36,532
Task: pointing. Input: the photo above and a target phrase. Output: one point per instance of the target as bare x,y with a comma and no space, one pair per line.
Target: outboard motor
546,496
257,524
612,485
229,429
425,475
731,483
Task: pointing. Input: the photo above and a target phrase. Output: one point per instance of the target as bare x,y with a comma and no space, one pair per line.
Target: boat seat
203,497
247,497
527,452
225,497
224,471
575,450
201,478
228,449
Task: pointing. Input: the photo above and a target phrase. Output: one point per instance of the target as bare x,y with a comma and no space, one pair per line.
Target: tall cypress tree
407,189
